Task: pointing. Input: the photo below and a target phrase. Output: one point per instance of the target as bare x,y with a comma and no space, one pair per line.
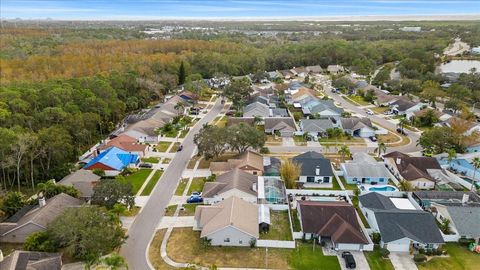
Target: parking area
360,260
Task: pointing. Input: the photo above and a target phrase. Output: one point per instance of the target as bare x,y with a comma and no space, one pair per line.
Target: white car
369,112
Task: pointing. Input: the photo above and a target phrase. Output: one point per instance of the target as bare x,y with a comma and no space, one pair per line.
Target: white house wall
237,237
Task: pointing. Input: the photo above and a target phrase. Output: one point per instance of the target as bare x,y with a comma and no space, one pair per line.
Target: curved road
144,227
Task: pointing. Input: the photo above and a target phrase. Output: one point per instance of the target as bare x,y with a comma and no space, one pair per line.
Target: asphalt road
411,147
145,224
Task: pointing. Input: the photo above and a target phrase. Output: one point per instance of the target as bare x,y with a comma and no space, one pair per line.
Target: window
227,240
240,242
310,179
381,179
254,173
326,179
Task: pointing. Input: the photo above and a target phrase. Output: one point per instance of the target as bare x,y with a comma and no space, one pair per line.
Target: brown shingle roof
234,179
337,220
245,159
125,143
412,168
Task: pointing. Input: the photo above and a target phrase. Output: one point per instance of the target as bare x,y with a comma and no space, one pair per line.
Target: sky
262,9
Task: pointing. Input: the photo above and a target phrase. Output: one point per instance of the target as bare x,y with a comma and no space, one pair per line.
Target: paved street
143,228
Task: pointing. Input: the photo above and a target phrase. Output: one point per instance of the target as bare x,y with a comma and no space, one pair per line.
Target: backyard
279,228
185,245
459,257
376,261
138,178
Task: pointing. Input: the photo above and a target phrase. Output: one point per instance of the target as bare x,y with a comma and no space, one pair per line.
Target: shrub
384,252
465,241
39,241
421,251
429,252
211,178
253,243
438,252
419,258
99,172
376,237
264,150
127,171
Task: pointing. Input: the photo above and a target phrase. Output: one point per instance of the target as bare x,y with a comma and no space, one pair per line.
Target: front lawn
181,186
138,178
166,161
162,146
300,140
203,164
197,184
174,147
222,122
459,258
377,262
307,258
184,133
188,209
279,228
357,100
151,159
380,110
151,184
154,252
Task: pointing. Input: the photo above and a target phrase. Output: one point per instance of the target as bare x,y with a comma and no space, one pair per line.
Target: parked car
195,199
402,131
145,165
369,112
373,139
180,148
196,193
349,260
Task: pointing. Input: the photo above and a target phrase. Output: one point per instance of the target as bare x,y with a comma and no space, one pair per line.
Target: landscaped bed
459,257
151,184
377,262
185,245
279,227
138,178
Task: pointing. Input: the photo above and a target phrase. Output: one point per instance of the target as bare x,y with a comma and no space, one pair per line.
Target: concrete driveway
402,261
360,260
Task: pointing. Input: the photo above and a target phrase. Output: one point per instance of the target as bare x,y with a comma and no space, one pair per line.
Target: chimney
317,170
41,201
398,161
465,198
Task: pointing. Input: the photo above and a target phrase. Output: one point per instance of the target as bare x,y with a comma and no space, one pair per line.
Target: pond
459,66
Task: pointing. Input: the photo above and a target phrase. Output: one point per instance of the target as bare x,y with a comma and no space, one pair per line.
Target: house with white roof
364,169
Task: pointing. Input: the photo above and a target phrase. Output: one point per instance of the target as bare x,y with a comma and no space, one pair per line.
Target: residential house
256,109
113,160
317,127
463,165
335,69
272,75
279,112
237,120
299,72
296,95
188,96
314,69
406,107
31,260
231,222
233,183
385,100
364,169
315,168
335,222
247,161
83,180
473,147
438,114
421,172
358,127
285,126
425,198
32,219
271,166
401,225
126,143
287,74
470,126
320,108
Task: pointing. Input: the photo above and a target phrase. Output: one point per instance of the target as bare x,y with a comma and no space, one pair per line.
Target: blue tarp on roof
114,158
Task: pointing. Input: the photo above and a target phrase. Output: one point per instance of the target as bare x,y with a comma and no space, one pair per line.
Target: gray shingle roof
316,125
374,200
354,123
466,219
256,109
234,179
82,180
310,160
326,105
279,112
360,170
280,123
31,260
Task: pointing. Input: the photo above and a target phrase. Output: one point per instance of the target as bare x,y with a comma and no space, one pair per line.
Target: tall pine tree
181,74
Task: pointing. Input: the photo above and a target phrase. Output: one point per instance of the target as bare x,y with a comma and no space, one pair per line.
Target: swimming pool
382,188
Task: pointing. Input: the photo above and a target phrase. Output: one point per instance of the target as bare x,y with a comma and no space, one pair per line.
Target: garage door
398,247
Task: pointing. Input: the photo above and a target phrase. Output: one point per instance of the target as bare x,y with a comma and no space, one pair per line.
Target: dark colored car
230,113
180,148
373,139
195,199
349,260
401,131
145,165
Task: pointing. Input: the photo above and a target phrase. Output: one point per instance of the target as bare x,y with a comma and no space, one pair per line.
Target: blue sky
170,9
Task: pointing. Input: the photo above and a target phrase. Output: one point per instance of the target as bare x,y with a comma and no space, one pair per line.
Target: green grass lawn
279,228
172,133
166,161
222,122
346,185
380,110
377,262
181,187
459,258
299,140
137,178
197,185
295,221
184,133
151,184
304,257
151,159
342,140
188,209
162,146
174,147
358,99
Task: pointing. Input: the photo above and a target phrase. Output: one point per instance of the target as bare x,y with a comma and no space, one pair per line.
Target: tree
428,118
406,186
438,140
50,189
431,91
86,233
179,107
115,261
210,141
21,148
290,172
238,91
109,192
242,136
39,241
452,154
12,202
344,152
382,147
476,165
445,226
403,122
181,74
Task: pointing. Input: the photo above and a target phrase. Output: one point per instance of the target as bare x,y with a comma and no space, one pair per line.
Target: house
294,96
287,74
285,126
272,75
438,114
271,166
384,100
401,225
463,165
188,96
320,108
335,69
247,161
331,221
418,171
126,143
317,127
299,72
315,168
231,222
31,260
426,198
314,69
364,169
473,147
256,109
83,180
237,120
470,126
406,107
279,112
358,127
233,183
113,160
32,219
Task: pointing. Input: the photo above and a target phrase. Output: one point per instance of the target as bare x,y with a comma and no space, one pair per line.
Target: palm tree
403,122
476,165
452,154
344,152
382,147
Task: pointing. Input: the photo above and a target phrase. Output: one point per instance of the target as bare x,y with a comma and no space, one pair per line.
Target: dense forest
64,89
